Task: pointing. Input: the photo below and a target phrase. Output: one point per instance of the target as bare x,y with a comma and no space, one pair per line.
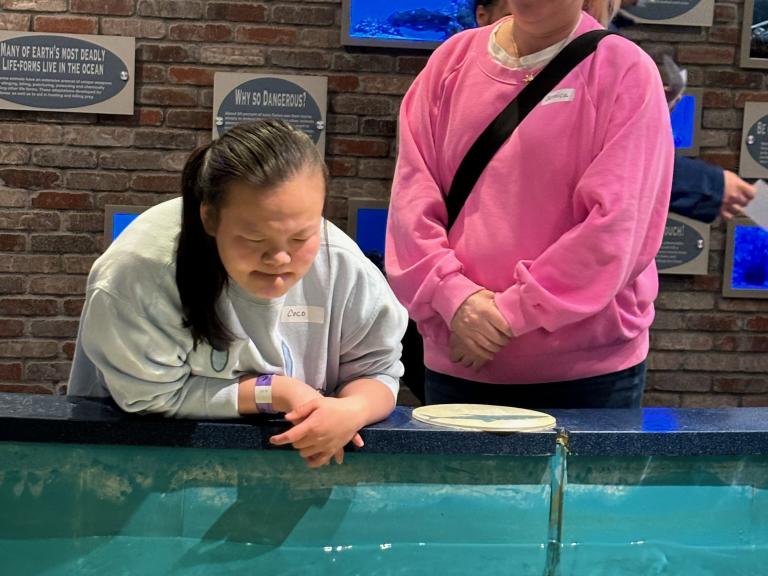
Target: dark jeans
622,389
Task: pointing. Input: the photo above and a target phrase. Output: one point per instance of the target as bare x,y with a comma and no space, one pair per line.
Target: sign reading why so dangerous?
66,72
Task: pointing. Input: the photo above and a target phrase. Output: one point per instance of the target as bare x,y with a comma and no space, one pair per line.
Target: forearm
373,399
287,393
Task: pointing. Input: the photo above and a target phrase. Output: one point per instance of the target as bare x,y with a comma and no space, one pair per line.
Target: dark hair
484,3
264,154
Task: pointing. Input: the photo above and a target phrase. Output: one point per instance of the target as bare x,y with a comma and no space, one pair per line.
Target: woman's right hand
481,329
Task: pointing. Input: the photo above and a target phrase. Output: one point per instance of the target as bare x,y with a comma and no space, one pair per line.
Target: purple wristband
263,394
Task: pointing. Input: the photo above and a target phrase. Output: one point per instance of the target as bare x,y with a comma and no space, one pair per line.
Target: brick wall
57,171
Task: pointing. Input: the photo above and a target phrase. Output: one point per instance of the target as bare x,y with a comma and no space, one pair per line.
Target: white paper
757,210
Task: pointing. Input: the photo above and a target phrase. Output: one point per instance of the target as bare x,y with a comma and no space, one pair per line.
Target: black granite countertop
646,432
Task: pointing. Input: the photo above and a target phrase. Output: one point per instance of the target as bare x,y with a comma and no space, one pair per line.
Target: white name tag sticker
562,95
303,314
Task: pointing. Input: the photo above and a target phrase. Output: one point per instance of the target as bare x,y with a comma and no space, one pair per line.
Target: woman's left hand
462,353
322,427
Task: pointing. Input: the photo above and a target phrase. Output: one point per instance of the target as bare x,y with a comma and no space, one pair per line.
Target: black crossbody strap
502,127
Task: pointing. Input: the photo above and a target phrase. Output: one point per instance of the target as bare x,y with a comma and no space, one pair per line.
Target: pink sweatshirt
564,223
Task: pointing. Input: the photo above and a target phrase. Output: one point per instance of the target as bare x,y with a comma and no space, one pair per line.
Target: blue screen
750,258
120,221
370,233
683,121
410,20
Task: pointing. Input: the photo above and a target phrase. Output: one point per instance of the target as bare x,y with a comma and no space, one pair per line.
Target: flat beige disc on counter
484,417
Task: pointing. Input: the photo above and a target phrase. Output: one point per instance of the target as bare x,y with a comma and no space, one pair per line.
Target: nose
277,258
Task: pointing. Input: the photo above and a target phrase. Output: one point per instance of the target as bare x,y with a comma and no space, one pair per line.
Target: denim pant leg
623,389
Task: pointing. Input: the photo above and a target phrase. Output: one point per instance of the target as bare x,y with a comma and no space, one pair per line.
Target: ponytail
200,275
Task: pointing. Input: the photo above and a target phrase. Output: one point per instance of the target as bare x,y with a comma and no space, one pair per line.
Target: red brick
133,28
358,147
29,220
168,96
148,74
304,15
99,136
57,285
54,328
64,158
29,179
89,222
166,53
68,348
713,322
171,8
342,166
27,264
272,36
78,263
741,385
342,124
35,5
73,306
10,154
348,83
411,64
62,200
363,105
105,7
718,99
233,55
757,324
28,349
13,242
725,13
14,22
741,343
709,401
97,181
68,25
726,160
189,119
47,371
157,183
703,54
9,372
191,75
316,59
30,133
200,32
389,84
724,34
62,243
11,328
25,388
28,307
237,11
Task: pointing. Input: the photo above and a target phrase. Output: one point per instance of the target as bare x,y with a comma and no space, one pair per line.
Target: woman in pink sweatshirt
541,294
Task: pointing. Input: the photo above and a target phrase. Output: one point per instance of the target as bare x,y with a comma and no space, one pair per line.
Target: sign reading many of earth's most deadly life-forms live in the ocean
673,12
299,100
66,72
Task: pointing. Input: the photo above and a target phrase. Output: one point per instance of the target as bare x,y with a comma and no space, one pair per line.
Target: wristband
263,394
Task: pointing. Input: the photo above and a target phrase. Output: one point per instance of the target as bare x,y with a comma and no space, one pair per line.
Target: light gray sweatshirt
339,323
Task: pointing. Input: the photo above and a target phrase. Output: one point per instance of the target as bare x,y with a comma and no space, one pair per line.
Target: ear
207,216
481,16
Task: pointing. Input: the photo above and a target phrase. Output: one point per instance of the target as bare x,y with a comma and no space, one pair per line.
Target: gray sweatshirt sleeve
374,324
143,363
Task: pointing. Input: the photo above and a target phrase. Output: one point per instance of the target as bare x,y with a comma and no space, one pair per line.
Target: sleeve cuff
451,293
221,398
511,307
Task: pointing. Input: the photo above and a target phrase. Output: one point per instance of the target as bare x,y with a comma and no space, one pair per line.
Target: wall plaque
299,100
66,72
685,248
673,12
754,141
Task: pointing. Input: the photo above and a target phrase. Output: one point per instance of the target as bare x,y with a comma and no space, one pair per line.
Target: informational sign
754,141
685,249
66,72
746,260
686,122
754,34
367,225
672,12
299,100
